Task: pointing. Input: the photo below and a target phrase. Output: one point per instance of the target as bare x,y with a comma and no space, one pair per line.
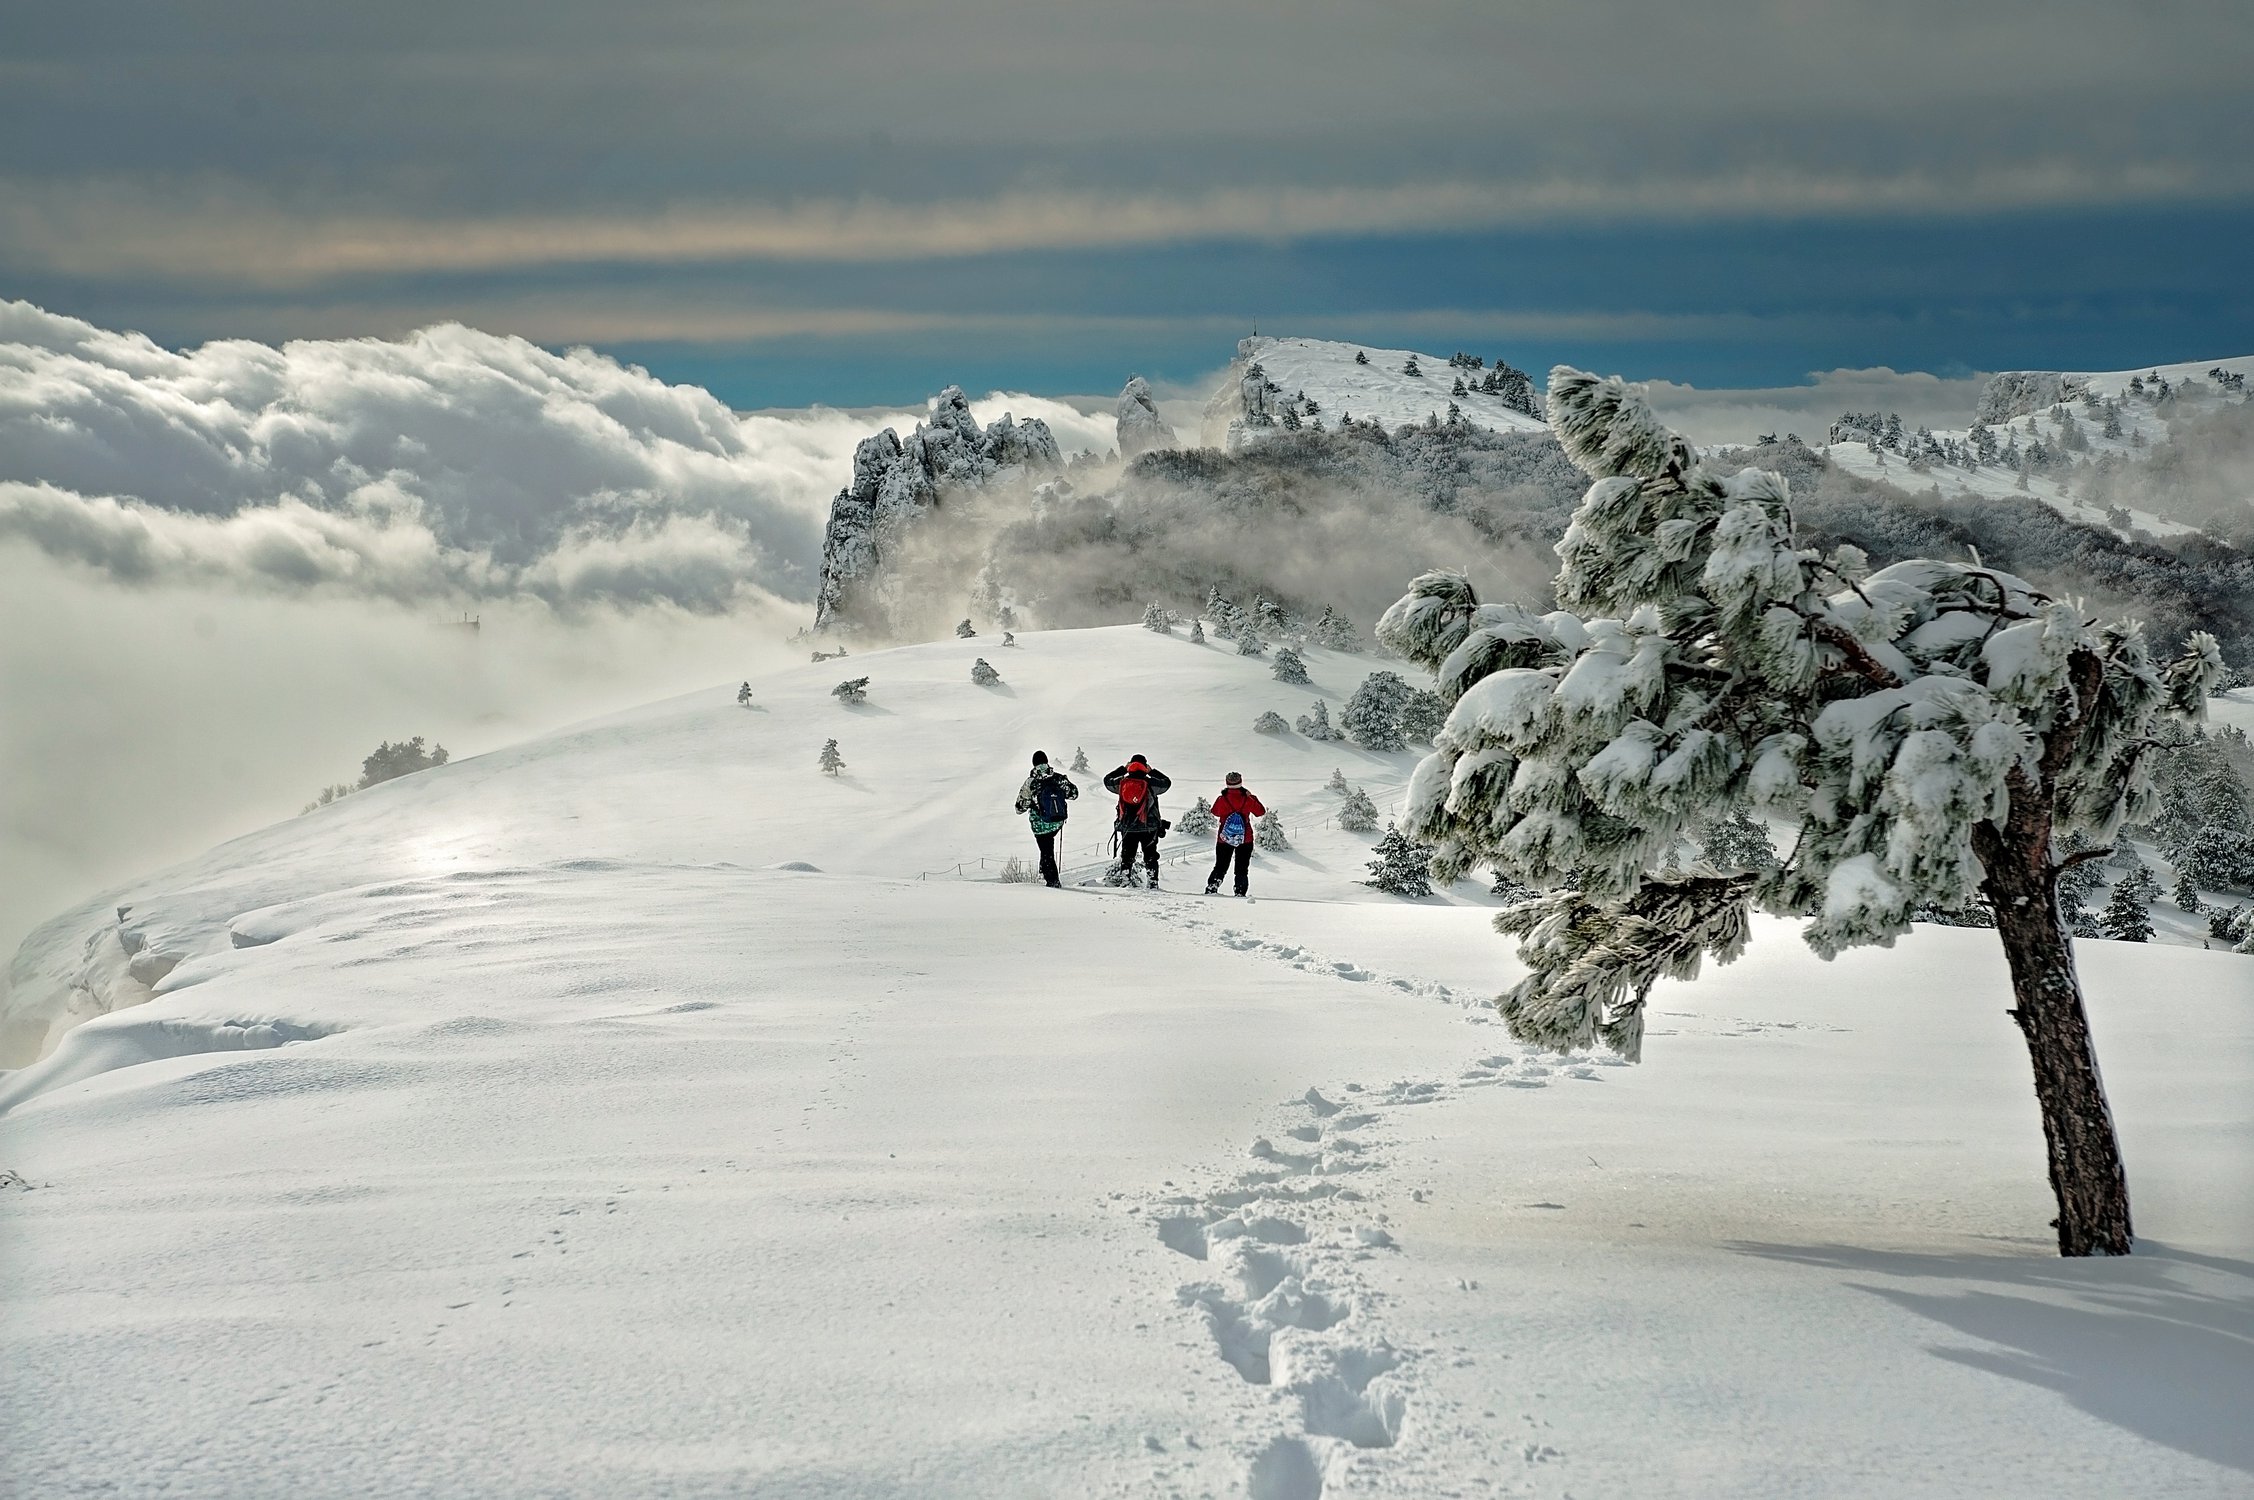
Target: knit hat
1040,757
1234,778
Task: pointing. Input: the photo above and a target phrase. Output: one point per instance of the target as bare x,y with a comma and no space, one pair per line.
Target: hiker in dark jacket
1137,784
1042,799
1233,812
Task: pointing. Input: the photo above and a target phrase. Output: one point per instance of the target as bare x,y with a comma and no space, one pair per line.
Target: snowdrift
640,1111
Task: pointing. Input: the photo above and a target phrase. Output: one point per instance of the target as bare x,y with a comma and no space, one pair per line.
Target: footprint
1285,1470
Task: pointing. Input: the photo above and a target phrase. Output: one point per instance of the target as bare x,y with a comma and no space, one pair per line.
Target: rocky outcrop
1141,428
896,482
1244,405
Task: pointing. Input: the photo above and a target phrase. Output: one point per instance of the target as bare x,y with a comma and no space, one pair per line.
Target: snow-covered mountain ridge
1320,382
2049,434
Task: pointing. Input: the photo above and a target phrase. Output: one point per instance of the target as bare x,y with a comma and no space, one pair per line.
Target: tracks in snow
1278,1253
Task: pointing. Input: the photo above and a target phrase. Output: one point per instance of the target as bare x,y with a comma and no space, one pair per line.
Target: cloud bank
451,466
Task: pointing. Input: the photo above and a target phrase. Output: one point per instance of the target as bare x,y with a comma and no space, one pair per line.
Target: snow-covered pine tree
1734,841
1361,357
1270,722
982,674
1198,821
1316,726
963,632
1079,760
1268,832
2078,879
1290,667
1337,782
1334,632
1157,618
830,761
1197,632
1358,814
743,696
1268,618
1248,642
1403,866
1933,727
2186,896
1410,368
1373,715
852,690
2127,917
1511,890
1422,714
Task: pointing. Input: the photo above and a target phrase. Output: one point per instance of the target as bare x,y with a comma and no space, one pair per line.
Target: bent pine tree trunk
2085,1154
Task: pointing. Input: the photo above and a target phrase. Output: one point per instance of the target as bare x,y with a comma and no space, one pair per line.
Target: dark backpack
1049,801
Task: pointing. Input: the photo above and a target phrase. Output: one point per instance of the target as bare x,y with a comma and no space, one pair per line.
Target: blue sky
857,204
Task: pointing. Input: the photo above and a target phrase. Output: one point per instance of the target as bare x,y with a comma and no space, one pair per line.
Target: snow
620,1114
1326,371
2138,419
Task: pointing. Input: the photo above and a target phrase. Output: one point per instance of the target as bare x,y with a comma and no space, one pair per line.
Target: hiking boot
1213,890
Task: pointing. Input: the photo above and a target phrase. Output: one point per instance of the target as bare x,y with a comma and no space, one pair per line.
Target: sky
857,203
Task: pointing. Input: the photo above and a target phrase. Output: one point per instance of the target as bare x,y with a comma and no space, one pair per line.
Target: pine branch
2084,857
1866,666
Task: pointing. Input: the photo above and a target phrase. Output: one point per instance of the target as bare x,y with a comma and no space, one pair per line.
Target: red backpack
1134,795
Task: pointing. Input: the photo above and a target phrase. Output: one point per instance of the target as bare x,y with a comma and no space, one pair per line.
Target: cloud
230,233
1716,415
451,467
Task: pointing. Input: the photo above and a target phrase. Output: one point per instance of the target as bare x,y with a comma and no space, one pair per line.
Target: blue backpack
1234,832
1049,800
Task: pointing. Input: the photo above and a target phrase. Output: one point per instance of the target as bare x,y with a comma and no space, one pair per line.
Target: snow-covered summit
1306,381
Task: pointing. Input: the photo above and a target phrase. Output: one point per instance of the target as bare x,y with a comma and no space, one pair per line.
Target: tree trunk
2085,1155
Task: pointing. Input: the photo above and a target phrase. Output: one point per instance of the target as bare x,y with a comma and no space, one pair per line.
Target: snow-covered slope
621,1115
2140,421
1328,373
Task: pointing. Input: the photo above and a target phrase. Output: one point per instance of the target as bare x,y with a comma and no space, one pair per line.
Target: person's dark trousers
1129,841
1048,843
1222,854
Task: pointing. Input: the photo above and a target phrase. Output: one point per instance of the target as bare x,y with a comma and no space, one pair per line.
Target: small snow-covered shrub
1403,866
852,690
1270,722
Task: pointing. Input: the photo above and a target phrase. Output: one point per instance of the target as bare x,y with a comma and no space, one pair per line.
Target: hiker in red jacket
1235,809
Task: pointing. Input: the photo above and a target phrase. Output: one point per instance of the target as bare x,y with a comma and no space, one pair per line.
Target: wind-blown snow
620,1115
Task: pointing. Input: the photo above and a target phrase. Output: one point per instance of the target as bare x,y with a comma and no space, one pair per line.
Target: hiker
1234,811
1139,824
1042,799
